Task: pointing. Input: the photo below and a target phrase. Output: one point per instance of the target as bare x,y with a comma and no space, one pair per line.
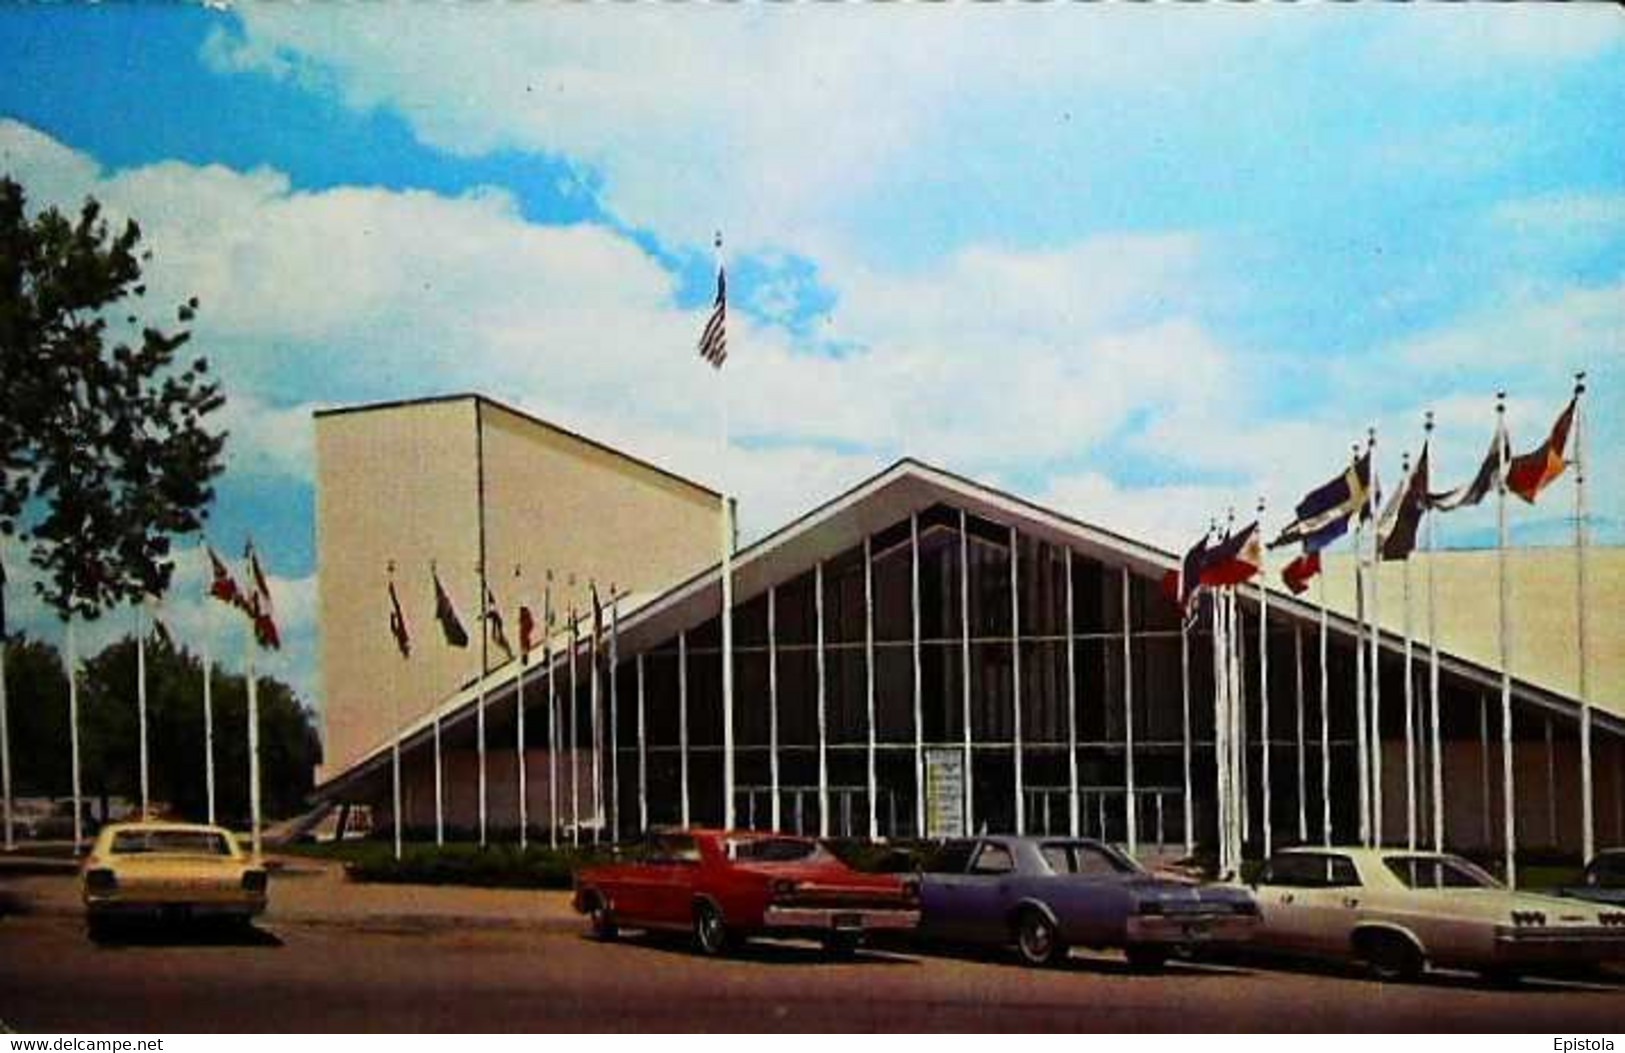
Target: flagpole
1436,753
1297,696
395,737
1325,719
1376,651
1363,744
439,757
552,714
141,703
1264,692
73,733
727,601
479,690
1588,831
208,699
253,741
1508,809
1410,690
614,713
595,725
1221,746
575,770
523,757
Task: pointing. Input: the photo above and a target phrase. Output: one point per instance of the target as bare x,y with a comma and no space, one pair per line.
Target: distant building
923,654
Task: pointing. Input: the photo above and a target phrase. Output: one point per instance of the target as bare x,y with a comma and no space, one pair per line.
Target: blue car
1044,895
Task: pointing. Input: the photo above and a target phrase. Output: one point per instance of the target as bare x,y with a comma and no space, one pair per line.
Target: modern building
921,654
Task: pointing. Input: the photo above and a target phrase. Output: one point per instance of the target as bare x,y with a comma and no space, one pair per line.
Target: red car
726,885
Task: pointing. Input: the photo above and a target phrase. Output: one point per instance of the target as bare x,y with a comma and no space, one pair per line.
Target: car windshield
1437,872
773,850
170,842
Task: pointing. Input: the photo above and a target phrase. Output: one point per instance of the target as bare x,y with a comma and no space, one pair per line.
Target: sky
1142,264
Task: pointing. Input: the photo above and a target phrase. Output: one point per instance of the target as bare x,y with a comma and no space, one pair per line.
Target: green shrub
491,866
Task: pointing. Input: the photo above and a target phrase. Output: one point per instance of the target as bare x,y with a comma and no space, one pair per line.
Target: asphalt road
355,977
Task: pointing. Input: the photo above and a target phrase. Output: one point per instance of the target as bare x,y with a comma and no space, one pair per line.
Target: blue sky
1138,263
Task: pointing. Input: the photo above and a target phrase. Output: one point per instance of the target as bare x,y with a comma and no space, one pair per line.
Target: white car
1398,912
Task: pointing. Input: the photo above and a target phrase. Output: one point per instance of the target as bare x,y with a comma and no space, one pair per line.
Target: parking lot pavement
310,892
289,975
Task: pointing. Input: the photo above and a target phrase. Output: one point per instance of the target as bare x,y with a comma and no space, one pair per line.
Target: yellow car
169,871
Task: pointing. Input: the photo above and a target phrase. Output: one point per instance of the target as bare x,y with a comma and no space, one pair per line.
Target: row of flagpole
260,631
1322,517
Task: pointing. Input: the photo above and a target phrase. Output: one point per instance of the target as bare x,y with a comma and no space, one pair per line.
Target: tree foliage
37,688
105,451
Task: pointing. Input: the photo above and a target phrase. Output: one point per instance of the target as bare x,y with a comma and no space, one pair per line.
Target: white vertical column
1128,723
965,671
1325,719
1072,718
727,650
1588,819
1437,753
1363,742
548,663
614,712
1508,787
682,720
643,755
919,685
1376,651
484,601
869,676
1221,747
1015,682
1264,741
575,740
1410,713
595,724
823,703
1185,730
773,700
1297,697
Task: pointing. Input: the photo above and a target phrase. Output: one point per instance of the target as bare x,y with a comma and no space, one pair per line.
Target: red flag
1529,473
223,587
1297,573
1233,560
259,607
527,630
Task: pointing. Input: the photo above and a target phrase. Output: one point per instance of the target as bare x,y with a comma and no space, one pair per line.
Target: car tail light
1149,906
781,888
1528,917
254,880
100,880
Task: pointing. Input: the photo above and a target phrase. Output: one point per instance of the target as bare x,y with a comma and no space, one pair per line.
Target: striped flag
260,610
1529,473
714,338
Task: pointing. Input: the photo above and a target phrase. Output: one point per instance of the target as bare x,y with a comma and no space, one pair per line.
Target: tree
105,454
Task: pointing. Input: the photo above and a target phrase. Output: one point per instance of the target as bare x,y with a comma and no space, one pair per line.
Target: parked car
1045,895
1398,912
1603,880
169,871
725,886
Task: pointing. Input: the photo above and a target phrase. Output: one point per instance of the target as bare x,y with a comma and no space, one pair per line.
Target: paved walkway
316,892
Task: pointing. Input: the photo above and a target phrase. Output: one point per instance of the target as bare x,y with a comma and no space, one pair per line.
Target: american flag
714,338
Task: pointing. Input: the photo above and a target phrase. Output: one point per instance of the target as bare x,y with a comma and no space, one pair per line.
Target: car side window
1310,870
993,858
1341,873
1058,858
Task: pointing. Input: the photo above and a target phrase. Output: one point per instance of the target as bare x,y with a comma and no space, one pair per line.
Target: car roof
166,827
1364,852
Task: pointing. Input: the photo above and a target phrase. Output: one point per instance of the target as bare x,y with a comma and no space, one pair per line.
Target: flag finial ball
1427,421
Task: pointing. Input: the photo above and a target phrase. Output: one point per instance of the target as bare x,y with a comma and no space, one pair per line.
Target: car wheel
602,920
1146,959
842,944
1390,958
711,934
1037,939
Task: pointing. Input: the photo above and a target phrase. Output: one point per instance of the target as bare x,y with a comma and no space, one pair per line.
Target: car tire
1144,959
842,944
711,935
1390,958
602,920
1038,940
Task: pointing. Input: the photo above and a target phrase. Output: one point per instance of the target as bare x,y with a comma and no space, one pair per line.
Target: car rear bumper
1569,944
245,905
1186,929
831,919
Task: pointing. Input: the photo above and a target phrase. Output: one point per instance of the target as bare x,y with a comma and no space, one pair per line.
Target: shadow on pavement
1574,980
761,951
198,933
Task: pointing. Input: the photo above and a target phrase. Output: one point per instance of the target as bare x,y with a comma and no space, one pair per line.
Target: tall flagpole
614,712
1376,650
1325,720
575,762
253,741
1410,689
595,724
395,737
552,714
1221,745
73,734
141,627
522,756
1264,693
1362,741
727,603
484,602
1588,830
208,701
1436,753
1297,697
439,767
1508,808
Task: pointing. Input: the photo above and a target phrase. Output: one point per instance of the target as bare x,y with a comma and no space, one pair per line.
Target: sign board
944,793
